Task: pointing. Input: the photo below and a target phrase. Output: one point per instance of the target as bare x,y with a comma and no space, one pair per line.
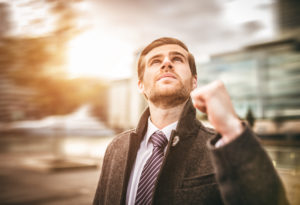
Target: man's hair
161,42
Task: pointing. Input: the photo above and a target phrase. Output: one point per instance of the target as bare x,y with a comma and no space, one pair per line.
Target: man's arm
213,99
243,169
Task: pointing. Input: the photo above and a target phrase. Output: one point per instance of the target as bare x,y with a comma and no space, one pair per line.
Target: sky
119,29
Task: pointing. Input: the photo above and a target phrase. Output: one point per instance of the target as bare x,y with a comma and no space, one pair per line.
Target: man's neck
162,117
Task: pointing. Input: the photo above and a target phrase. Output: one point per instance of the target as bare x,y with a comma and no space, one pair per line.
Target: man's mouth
166,75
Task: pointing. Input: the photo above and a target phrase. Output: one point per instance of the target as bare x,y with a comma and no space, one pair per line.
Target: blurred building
263,77
126,104
118,109
16,101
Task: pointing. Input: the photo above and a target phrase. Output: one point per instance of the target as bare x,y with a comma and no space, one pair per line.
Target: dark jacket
193,171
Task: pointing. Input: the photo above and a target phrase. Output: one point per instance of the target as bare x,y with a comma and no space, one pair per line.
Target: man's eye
177,59
155,61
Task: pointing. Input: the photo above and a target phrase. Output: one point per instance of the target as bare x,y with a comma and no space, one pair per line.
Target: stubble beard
170,97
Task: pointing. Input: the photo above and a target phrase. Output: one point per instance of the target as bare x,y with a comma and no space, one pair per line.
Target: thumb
198,103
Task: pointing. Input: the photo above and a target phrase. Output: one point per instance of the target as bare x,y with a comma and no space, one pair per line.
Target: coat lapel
135,139
173,167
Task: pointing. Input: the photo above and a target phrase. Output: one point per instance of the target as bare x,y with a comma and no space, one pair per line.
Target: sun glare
99,55
84,55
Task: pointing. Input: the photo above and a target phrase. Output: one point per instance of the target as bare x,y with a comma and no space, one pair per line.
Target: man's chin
169,97
167,91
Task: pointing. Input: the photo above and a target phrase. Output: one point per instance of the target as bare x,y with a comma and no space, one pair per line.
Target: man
171,158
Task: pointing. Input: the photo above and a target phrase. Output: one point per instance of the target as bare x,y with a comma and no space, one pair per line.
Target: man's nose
166,63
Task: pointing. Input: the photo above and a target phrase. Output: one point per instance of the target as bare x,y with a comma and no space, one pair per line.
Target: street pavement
19,185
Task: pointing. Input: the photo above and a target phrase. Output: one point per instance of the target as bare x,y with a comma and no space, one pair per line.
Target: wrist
233,130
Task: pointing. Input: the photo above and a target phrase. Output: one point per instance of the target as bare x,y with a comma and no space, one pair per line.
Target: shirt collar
166,130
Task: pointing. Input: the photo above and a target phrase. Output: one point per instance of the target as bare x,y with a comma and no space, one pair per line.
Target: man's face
167,79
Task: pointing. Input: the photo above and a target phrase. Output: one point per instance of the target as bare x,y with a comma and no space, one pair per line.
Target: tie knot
159,139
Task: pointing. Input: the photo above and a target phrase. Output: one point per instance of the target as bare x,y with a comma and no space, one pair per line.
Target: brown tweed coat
193,171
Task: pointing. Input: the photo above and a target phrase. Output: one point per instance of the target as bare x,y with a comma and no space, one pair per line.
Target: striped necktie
151,169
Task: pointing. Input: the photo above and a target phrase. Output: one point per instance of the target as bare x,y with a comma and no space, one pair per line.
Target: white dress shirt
143,155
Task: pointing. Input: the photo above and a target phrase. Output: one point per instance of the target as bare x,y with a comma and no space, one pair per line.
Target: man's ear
194,82
140,86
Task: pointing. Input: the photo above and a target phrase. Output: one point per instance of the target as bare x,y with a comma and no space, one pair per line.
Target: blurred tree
38,63
279,122
250,117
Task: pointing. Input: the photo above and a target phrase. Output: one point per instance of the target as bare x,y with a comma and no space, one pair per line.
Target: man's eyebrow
174,53
171,53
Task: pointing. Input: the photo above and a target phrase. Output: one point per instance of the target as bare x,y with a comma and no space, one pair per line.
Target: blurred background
68,83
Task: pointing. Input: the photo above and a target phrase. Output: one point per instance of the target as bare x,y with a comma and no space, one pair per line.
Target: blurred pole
5,24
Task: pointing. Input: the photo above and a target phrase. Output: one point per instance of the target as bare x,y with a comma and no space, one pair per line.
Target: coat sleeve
99,197
245,173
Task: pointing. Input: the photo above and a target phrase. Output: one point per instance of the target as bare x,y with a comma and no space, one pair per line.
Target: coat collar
188,124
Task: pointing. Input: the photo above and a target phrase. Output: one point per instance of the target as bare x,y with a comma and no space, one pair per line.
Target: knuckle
219,84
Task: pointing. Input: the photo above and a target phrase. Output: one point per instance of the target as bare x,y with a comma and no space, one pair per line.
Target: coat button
175,141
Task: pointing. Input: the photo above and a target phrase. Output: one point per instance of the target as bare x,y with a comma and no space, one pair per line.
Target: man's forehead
166,49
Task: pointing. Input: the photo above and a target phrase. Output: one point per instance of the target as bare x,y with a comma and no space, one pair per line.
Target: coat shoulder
120,138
